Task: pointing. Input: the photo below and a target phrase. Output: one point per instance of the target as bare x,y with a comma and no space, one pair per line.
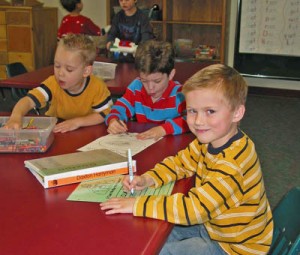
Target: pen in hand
130,170
122,124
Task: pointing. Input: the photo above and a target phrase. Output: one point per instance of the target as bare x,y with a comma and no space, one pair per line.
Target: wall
96,10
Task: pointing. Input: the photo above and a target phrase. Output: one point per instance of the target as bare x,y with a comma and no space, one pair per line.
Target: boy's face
69,70
155,84
210,117
127,5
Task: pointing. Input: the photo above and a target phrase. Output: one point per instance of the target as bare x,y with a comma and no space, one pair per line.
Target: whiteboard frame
264,65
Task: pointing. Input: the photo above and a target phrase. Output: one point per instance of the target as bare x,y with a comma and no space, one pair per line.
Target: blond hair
221,77
83,44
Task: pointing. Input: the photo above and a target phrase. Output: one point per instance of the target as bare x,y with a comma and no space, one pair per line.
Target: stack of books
77,167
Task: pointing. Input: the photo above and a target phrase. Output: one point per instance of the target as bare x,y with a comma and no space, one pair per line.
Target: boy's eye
190,111
146,81
211,111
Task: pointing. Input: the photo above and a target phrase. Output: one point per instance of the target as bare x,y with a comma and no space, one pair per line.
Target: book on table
76,167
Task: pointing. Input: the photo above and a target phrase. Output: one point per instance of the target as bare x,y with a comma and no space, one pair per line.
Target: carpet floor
273,124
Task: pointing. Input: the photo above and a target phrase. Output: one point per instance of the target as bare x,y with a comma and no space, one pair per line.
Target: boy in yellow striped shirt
227,211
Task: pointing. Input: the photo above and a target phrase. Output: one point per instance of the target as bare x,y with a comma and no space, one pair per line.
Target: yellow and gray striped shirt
229,196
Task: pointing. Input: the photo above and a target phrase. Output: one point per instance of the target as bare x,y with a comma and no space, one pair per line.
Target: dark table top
125,73
35,220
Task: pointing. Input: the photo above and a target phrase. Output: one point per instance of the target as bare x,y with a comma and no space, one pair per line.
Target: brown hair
83,44
222,77
154,56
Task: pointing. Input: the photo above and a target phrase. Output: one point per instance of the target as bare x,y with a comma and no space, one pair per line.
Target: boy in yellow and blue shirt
73,93
227,210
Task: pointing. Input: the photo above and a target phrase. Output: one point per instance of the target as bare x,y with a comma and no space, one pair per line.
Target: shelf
193,23
27,35
204,25
198,60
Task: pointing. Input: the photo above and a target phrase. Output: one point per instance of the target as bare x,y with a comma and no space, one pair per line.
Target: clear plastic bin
104,70
35,136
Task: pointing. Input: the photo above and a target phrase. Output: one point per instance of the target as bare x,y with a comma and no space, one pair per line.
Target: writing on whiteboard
270,27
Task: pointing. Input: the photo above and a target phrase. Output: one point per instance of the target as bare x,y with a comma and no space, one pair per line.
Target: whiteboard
270,27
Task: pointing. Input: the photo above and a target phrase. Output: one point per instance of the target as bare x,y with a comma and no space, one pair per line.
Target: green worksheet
100,190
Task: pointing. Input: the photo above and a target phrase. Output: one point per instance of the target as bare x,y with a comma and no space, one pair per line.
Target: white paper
119,143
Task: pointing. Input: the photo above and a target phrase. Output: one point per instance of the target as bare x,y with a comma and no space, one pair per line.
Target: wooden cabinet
27,35
201,21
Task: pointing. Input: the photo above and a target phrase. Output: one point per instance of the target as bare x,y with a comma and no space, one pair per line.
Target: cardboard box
183,48
35,136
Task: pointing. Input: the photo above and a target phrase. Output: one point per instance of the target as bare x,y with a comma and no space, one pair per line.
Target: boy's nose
199,120
151,87
60,72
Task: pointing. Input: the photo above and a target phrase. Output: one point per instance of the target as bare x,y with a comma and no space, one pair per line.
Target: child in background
227,211
154,97
74,94
76,23
129,24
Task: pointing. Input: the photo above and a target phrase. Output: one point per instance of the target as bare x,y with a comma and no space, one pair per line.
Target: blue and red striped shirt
167,111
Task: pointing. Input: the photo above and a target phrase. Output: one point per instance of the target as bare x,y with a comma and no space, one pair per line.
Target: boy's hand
116,126
65,126
118,205
155,132
108,45
13,124
125,205
23,106
138,183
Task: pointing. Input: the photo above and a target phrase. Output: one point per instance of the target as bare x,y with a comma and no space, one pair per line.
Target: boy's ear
239,113
172,74
87,70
